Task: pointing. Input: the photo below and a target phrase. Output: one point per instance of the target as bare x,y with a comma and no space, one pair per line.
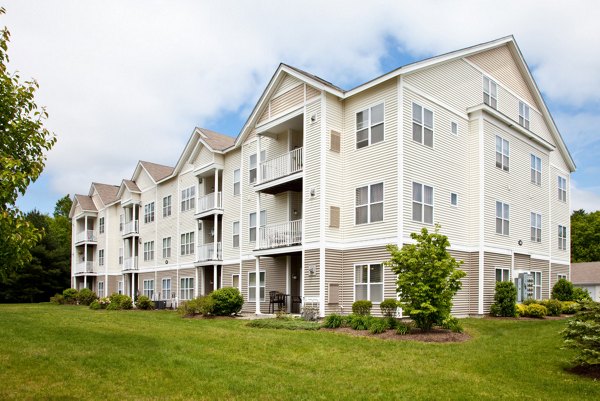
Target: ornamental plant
428,277
362,307
227,301
563,290
505,300
388,307
583,334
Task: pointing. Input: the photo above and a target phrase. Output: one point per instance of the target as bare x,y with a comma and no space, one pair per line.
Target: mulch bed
434,336
593,371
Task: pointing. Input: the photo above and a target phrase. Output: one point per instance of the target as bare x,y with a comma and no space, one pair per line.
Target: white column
216,219
215,277
85,252
288,278
197,283
258,285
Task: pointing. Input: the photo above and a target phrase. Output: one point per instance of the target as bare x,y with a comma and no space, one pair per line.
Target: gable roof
86,203
585,273
216,141
213,141
131,186
106,192
156,171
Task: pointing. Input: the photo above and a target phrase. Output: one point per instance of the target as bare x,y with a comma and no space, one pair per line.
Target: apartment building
320,179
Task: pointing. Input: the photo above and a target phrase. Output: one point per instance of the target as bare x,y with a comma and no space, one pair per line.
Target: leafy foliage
378,326
86,296
310,313
585,236
536,310
286,324
563,290
70,295
119,301
202,305
333,321
569,307
553,306
581,295
428,277
453,324
402,329
362,307
505,300
359,322
227,301
144,303
583,334
388,307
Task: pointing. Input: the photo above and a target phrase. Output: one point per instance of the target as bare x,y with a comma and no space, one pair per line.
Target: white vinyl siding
562,238
369,126
186,288
562,189
502,274
523,115
149,288
502,153
536,170
368,282
187,243
149,213
188,198
490,93
166,250
148,250
536,227
369,204
453,199
422,203
502,218
167,206
422,122
252,286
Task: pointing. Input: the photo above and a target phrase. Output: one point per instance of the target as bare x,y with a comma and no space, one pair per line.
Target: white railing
130,263
287,164
84,267
281,234
85,236
207,252
209,202
130,227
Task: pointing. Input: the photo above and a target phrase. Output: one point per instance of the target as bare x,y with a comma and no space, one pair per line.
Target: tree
585,236
428,277
563,290
22,145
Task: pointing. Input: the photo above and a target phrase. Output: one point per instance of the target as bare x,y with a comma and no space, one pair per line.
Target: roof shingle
217,141
107,193
157,171
86,203
585,273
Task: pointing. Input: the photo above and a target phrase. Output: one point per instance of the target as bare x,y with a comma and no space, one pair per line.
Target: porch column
215,278
197,283
257,282
288,277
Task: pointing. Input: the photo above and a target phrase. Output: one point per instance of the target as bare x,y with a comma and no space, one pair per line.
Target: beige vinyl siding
114,240
160,275
491,262
312,172
204,158
557,269
441,167
311,282
227,271
311,92
248,200
287,82
465,300
373,164
231,205
143,181
334,274
275,270
148,230
335,166
247,266
112,286
543,267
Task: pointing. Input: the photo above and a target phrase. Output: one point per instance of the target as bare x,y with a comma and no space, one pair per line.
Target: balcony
206,252
85,236
283,173
131,228
209,205
280,235
84,267
130,263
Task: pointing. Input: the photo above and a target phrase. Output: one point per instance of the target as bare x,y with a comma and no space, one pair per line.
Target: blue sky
129,80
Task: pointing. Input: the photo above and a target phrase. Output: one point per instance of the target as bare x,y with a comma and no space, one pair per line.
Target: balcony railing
281,234
85,236
130,263
130,227
209,202
281,166
207,252
84,267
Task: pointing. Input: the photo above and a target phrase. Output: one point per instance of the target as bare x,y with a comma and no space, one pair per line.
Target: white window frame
148,251
257,286
120,287
149,288
167,288
167,203
101,289
562,188
186,288
237,182
233,276
419,125
369,125
252,229
490,92
523,114
536,170
559,276
253,166
101,225
370,203
235,230
149,213
423,204
121,222
562,237
187,243
502,154
535,225
537,285
453,199
100,257
368,284
504,274
188,198
166,248
503,217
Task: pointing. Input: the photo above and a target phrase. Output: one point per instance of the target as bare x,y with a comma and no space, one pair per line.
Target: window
120,256
101,257
120,287
252,286
502,274
502,218
236,182
422,206
186,289
149,288
490,92
537,285
166,250
149,213
561,277
187,243
502,153
536,227
369,204
523,115
101,225
167,206
100,289
236,234
149,250
368,282
166,288
252,224
536,170
121,222
235,281
562,238
454,199
562,189
454,128
252,170
188,200
369,126
422,125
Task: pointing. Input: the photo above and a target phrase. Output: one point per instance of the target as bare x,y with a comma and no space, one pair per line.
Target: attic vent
334,217
335,142
334,294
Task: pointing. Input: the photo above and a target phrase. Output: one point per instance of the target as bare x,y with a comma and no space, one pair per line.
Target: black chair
276,298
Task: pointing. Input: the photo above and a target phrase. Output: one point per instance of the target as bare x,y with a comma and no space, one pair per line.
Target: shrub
521,310
144,303
453,324
388,307
359,322
583,334
554,307
377,326
581,295
402,329
227,301
392,322
569,307
530,301
505,299
202,305
95,305
86,296
57,299
70,296
362,307
563,290
119,301
536,310
333,321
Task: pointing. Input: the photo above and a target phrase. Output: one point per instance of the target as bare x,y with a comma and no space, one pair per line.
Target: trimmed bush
536,310
202,305
359,322
388,307
144,303
227,301
453,324
583,334
70,296
521,310
569,307
554,307
530,301
402,329
101,303
581,295
505,300
333,321
362,307
119,301
563,290
377,326
86,297
392,322
95,305
57,299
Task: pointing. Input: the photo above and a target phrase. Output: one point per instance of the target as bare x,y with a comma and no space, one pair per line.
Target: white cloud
587,199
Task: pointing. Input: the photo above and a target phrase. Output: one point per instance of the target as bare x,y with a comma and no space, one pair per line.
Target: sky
129,80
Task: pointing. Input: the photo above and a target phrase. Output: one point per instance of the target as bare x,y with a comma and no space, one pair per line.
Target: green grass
50,352
287,324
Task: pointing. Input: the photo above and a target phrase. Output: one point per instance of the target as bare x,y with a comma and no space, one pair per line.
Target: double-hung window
188,198
149,288
167,206
236,234
101,257
502,153
166,250
422,120
562,189
166,288
537,285
562,238
100,289
422,205
368,282
502,274
148,250
252,224
490,92
149,212
536,170
502,218
120,290
523,115
187,243
369,204
101,225
120,256
369,126
536,227
236,182
121,221
186,288
561,277
253,285
253,166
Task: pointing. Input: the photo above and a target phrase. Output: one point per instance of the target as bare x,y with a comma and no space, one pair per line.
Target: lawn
50,352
